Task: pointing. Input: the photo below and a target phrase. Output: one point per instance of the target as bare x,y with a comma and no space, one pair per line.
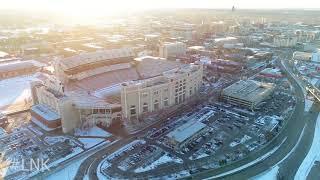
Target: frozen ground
307,105
67,173
93,131
198,155
15,90
3,133
244,139
90,142
314,81
312,156
162,160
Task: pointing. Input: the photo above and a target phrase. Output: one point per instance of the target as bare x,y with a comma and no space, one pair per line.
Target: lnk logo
31,165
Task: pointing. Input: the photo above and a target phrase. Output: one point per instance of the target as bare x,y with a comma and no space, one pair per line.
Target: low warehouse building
185,133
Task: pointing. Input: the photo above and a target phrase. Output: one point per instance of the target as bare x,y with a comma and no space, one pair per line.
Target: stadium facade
102,87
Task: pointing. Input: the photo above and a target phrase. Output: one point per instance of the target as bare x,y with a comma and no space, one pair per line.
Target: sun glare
82,8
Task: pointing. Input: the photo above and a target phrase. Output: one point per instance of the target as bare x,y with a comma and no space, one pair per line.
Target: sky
112,6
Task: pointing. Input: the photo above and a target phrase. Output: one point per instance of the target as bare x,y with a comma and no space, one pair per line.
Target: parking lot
24,142
231,132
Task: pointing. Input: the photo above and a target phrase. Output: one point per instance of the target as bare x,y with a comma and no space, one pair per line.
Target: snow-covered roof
92,57
186,131
45,112
18,65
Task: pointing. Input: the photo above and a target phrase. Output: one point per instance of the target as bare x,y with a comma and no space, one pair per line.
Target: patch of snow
66,173
314,81
244,139
198,156
3,133
90,142
93,131
14,90
308,104
162,160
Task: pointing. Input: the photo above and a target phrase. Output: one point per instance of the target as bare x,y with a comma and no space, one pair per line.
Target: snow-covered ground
93,131
90,142
3,133
15,90
312,156
67,173
267,175
308,104
162,160
198,155
314,81
244,139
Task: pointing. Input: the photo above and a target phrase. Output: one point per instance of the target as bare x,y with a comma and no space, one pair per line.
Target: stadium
88,88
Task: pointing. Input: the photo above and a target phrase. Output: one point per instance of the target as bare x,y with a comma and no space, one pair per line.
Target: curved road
295,140
292,132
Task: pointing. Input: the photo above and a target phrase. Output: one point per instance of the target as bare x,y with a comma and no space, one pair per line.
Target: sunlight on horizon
86,10
105,7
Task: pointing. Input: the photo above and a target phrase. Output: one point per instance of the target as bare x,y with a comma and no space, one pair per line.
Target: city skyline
98,7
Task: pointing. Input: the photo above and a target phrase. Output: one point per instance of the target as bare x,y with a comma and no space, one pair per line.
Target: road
295,140
291,132
90,165
291,155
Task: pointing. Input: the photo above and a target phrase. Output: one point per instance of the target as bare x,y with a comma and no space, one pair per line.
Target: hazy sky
110,6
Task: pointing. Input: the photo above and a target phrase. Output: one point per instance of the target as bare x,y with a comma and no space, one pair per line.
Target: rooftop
302,55
46,112
224,39
83,99
186,131
18,65
92,57
248,90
